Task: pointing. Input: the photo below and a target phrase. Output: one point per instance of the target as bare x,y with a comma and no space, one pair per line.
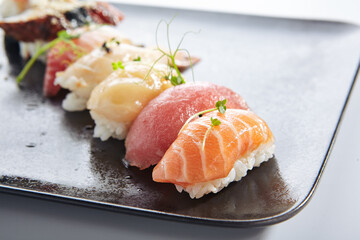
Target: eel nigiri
117,101
83,75
42,20
172,108
62,54
242,141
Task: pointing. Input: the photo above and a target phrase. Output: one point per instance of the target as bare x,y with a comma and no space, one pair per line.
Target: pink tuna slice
62,54
57,61
159,123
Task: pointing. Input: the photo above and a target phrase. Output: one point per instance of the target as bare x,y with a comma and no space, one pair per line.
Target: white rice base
263,153
104,128
73,102
76,100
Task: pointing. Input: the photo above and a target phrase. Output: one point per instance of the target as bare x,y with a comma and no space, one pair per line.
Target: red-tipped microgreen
214,122
219,105
178,78
63,36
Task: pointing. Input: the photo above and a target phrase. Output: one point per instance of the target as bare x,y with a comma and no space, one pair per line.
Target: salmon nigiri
206,159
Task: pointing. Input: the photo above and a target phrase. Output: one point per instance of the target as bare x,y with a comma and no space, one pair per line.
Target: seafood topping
78,17
54,16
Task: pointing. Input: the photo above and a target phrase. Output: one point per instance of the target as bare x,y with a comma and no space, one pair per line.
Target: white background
338,10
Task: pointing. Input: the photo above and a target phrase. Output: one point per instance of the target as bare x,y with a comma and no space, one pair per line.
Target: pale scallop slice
82,76
116,102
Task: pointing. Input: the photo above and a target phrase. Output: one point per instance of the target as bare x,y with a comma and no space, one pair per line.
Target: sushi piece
117,101
171,108
83,75
53,16
62,55
242,141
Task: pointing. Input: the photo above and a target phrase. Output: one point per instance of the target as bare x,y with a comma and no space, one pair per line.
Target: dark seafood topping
105,47
78,17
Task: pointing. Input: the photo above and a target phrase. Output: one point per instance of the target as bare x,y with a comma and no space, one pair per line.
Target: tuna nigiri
62,54
82,76
242,141
161,120
117,101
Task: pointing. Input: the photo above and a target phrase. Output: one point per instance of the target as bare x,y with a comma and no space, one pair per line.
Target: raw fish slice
82,76
105,13
117,101
239,143
62,55
161,120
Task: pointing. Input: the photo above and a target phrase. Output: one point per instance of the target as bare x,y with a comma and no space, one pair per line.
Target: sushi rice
104,128
74,101
262,154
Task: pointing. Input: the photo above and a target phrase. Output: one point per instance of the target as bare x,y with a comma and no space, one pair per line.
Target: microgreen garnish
115,41
175,80
219,105
117,65
63,36
138,59
214,122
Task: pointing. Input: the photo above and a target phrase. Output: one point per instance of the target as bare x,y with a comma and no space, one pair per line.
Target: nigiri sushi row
130,93
150,124
241,142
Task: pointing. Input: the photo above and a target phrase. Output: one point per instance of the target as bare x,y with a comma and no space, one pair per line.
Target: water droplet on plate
125,163
31,106
89,127
31,145
128,177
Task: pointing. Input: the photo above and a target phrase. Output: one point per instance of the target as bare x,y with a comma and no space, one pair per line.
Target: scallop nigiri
62,54
117,101
172,108
206,159
82,76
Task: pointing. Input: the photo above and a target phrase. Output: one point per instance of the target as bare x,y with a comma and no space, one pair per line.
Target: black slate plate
295,74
